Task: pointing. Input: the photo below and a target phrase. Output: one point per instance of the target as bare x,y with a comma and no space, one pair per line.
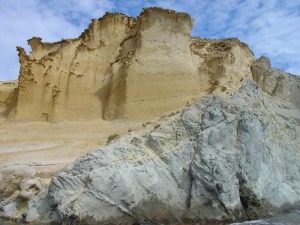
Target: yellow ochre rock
124,67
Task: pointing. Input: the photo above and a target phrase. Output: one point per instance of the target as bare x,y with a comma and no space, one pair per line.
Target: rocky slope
220,159
124,67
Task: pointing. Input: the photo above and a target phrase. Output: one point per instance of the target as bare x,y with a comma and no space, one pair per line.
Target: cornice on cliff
35,41
222,45
148,10
22,54
147,16
129,21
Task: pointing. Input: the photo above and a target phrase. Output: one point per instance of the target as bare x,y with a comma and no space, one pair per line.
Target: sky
269,27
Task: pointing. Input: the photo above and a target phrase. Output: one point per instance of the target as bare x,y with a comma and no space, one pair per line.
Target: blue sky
270,27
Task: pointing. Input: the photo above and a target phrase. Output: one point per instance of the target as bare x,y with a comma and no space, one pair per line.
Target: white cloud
270,27
51,20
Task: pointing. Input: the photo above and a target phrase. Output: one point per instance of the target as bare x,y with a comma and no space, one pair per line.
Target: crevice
70,73
189,198
252,206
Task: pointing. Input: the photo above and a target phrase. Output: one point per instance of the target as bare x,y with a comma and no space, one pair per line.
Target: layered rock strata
124,67
221,159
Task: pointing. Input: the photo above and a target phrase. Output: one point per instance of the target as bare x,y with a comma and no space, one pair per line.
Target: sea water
287,218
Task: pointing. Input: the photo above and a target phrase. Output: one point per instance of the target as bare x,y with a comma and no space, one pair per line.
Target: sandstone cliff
65,80
8,97
124,67
231,155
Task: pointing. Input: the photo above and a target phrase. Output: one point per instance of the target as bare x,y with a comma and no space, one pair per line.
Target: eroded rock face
221,159
276,82
124,67
68,79
8,98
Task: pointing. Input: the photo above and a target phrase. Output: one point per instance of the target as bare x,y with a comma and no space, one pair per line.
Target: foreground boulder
222,159
18,185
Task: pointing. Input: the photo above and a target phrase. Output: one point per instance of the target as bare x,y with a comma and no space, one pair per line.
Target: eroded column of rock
161,68
154,72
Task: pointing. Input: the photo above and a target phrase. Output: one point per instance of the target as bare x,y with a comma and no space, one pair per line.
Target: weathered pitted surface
222,65
67,79
222,158
124,67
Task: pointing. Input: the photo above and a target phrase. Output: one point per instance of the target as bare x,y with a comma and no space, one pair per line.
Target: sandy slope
49,146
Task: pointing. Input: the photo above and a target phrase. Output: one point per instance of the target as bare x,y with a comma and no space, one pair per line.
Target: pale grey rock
18,185
40,212
221,159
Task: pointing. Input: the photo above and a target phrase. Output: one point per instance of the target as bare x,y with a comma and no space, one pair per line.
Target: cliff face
67,79
154,72
122,67
277,83
8,97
